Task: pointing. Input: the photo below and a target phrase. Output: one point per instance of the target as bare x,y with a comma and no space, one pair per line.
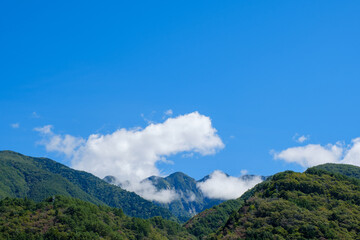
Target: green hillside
62,217
312,205
344,169
38,178
210,220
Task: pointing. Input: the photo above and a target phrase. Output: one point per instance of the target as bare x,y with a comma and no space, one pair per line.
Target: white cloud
45,129
300,139
169,112
244,172
315,154
222,186
15,125
148,191
131,155
352,155
66,144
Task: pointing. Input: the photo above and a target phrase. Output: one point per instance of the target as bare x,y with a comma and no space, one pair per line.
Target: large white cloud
315,154
221,186
131,154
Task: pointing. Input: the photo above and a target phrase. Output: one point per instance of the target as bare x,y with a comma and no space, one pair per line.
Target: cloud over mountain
131,154
315,154
221,186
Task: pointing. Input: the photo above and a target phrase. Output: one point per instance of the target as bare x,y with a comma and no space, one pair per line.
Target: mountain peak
178,175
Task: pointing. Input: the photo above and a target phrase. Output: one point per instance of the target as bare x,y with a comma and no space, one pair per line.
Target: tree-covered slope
38,178
62,217
344,169
210,220
312,205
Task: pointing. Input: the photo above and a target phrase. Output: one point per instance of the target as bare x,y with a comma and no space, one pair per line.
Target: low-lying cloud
131,154
221,186
315,154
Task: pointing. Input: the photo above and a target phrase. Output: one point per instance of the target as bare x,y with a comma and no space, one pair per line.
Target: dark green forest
60,217
317,204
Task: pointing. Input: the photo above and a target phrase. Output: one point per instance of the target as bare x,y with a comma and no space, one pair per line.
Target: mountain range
191,200
42,199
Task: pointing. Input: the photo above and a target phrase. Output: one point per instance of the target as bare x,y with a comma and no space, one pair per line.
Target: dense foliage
61,217
210,220
313,205
343,169
39,178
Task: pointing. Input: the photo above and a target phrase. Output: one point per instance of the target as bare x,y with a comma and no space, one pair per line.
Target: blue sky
263,71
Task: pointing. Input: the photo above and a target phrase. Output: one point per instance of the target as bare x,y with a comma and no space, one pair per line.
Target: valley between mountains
43,199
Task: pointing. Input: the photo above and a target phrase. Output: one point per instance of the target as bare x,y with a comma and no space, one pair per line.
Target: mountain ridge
191,199
308,205
39,178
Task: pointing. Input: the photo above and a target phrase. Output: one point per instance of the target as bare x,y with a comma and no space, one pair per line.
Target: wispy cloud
131,154
149,117
315,154
66,144
300,138
15,125
168,112
47,129
35,115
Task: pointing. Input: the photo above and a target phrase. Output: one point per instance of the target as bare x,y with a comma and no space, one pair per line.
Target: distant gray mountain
191,199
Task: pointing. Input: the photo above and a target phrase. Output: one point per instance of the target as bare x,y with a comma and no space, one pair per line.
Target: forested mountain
321,203
344,169
305,195
210,220
317,204
62,217
38,178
